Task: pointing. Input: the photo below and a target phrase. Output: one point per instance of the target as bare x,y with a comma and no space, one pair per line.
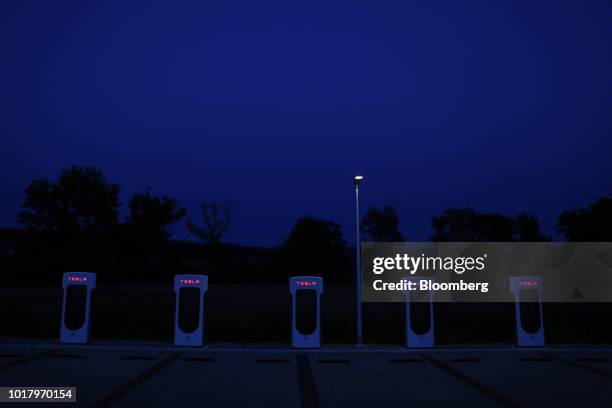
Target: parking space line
333,361
26,359
309,397
67,356
543,359
138,358
200,360
593,359
143,377
405,360
478,386
271,360
465,360
10,355
579,365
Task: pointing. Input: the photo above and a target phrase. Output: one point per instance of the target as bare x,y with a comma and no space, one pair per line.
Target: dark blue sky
499,105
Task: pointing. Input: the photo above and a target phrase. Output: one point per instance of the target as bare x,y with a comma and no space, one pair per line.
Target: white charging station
189,313
305,311
529,321
419,335
76,306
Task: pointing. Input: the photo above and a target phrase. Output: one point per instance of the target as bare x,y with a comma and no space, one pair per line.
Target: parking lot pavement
532,378
600,363
165,376
392,380
94,373
226,379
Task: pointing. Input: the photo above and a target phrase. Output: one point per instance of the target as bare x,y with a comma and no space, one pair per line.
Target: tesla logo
76,279
528,283
190,281
306,283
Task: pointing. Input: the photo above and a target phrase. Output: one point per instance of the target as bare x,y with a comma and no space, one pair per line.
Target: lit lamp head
357,180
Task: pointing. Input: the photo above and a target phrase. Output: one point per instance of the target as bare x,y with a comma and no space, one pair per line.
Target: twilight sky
499,105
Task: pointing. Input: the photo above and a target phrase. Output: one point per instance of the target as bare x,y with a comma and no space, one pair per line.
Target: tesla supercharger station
305,311
189,315
527,292
419,316
76,306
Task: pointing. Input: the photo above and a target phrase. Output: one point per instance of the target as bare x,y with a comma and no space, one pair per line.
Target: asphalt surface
274,376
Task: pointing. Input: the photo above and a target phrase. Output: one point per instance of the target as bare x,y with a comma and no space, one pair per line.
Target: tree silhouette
527,229
216,220
79,211
81,201
381,226
315,247
590,224
147,224
467,225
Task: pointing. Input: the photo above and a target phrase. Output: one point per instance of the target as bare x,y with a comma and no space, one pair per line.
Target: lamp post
357,181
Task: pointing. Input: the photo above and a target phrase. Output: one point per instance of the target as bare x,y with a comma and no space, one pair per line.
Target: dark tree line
467,225
74,223
75,219
590,224
315,247
146,226
381,225
216,220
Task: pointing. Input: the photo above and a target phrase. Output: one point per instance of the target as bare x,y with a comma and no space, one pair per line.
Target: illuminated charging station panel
527,292
76,306
305,311
189,314
419,317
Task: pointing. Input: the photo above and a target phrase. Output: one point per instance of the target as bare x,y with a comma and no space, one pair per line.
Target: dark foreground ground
261,313
216,376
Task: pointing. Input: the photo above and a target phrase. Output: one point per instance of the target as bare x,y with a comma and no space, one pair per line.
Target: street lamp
357,181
